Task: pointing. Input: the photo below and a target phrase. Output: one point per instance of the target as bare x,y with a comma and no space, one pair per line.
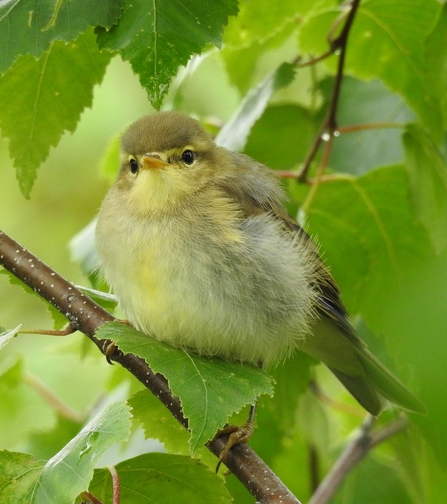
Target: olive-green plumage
201,253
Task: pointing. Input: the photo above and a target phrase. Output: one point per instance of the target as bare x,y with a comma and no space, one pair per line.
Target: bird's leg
238,435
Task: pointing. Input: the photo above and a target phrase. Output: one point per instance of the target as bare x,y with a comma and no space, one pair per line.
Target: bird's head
164,157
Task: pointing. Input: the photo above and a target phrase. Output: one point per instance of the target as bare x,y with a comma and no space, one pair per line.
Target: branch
329,125
86,316
354,452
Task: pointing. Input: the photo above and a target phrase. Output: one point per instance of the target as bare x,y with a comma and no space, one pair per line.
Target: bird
196,243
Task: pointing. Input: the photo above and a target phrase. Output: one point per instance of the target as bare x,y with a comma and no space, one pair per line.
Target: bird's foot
109,347
237,435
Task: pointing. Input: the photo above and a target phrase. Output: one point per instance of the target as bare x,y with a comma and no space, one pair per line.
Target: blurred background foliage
381,220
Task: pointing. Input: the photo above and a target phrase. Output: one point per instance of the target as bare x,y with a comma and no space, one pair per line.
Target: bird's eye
188,157
133,163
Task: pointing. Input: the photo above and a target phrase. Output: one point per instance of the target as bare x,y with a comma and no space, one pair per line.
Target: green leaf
83,251
435,59
29,26
19,473
59,320
388,271
292,381
371,481
381,44
210,390
158,422
262,34
6,336
70,471
366,103
294,129
314,423
157,39
408,447
40,100
109,163
369,220
22,410
162,479
234,134
427,174
45,443
261,20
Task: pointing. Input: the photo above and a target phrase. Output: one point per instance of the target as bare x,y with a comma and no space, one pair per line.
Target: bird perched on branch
198,248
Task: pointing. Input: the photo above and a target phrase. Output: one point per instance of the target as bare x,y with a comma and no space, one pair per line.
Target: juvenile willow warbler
194,241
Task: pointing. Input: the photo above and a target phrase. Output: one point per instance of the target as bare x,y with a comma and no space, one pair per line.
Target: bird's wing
257,191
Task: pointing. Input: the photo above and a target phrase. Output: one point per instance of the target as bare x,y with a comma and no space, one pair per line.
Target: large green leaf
70,471
427,174
387,269
18,475
22,410
435,59
258,33
210,390
260,20
234,134
294,129
29,26
158,38
362,104
371,481
160,478
159,423
369,221
40,100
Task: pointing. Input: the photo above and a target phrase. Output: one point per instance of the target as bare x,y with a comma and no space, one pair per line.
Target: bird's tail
365,377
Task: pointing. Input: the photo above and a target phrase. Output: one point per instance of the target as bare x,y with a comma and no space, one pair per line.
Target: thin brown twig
313,61
319,175
51,398
87,316
347,409
355,451
329,125
364,127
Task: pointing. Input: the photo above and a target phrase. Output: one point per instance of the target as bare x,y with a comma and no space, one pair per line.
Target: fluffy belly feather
246,302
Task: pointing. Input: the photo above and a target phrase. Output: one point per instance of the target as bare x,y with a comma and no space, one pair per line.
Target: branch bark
85,315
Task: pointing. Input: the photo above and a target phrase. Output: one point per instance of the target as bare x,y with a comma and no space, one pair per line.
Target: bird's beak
150,161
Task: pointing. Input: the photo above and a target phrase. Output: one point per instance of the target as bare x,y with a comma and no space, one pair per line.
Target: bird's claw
109,346
237,435
109,350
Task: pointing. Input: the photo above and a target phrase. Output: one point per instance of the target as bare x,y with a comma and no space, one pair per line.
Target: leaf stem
116,485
